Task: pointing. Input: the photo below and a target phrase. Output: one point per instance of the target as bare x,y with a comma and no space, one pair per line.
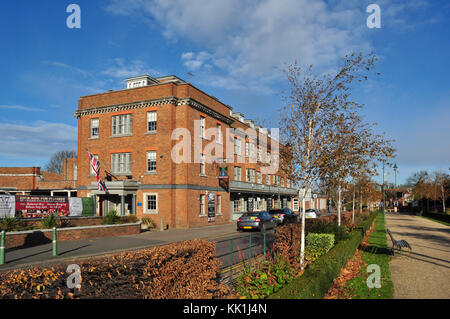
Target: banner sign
7,206
75,206
211,207
37,202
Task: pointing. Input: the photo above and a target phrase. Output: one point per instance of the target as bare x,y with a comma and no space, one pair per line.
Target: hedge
318,277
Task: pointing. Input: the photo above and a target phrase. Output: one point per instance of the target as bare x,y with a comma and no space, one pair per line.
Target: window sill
203,175
120,135
203,215
150,213
150,133
93,138
150,173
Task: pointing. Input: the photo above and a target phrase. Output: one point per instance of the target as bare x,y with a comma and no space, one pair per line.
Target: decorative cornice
151,103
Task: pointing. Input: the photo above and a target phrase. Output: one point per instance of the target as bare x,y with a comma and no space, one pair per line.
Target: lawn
376,252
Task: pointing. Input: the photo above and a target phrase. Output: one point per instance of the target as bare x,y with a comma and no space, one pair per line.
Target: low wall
44,236
72,221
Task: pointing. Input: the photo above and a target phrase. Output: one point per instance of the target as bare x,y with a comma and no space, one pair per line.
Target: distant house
33,181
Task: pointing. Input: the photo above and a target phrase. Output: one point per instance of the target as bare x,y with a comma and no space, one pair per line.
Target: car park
256,220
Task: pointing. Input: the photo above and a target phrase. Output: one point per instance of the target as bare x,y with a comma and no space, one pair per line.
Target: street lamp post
382,190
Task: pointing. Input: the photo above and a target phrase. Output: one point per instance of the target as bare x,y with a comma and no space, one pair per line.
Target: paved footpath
425,271
70,250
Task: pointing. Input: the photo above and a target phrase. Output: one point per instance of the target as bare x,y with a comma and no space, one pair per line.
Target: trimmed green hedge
317,241
88,206
318,277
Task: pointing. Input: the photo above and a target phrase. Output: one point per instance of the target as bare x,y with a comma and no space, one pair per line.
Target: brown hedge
183,270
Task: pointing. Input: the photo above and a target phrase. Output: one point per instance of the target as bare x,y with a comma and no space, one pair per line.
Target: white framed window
151,203
151,161
121,124
282,182
202,205
237,146
121,163
250,175
202,127
267,157
219,134
259,177
202,164
152,119
219,204
268,179
237,173
94,128
251,150
91,170
247,149
259,155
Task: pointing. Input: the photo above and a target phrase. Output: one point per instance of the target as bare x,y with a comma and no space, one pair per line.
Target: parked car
312,213
256,220
283,215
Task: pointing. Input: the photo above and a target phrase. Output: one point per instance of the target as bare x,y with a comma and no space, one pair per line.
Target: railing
237,254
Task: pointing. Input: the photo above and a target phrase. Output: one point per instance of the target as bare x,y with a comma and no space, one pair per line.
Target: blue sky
235,51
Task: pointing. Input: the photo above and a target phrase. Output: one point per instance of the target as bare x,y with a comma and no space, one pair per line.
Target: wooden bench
397,243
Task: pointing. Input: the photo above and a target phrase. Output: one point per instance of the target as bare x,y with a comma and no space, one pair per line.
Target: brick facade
178,186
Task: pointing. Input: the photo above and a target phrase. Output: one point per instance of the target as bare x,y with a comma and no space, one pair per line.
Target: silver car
311,213
256,220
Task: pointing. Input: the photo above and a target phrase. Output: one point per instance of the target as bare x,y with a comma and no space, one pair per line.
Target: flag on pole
95,164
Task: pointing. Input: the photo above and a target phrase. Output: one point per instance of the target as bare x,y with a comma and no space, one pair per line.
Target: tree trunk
360,202
302,243
353,208
339,205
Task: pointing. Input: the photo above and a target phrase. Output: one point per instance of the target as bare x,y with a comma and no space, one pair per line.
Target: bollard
55,248
231,263
2,248
162,224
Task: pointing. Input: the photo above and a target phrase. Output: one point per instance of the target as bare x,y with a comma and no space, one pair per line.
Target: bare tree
55,163
442,183
313,104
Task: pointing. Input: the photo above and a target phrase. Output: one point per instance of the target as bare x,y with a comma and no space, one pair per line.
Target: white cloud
38,140
120,68
21,108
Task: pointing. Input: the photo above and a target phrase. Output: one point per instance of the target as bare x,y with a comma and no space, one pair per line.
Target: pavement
423,272
81,249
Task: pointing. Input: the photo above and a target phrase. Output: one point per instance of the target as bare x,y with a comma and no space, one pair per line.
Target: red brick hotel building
130,132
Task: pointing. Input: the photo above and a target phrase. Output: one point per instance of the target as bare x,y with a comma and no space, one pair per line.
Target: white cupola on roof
140,81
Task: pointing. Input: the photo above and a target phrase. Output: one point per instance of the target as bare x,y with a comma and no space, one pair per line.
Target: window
247,149
250,176
202,205
282,182
237,146
202,164
258,177
259,155
202,127
238,205
151,203
251,150
267,157
94,128
151,161
91,169
219,134
121,124
237,173
121,163
151,121
219,204
268,179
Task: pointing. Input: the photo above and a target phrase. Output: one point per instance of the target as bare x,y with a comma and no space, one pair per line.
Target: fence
238,254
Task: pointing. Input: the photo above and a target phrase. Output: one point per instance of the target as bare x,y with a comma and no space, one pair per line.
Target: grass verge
377,253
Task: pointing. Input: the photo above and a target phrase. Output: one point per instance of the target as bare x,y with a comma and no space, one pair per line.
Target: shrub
328,228
130,219
111,218
9,223
182,270
149,222
318,241
50,221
